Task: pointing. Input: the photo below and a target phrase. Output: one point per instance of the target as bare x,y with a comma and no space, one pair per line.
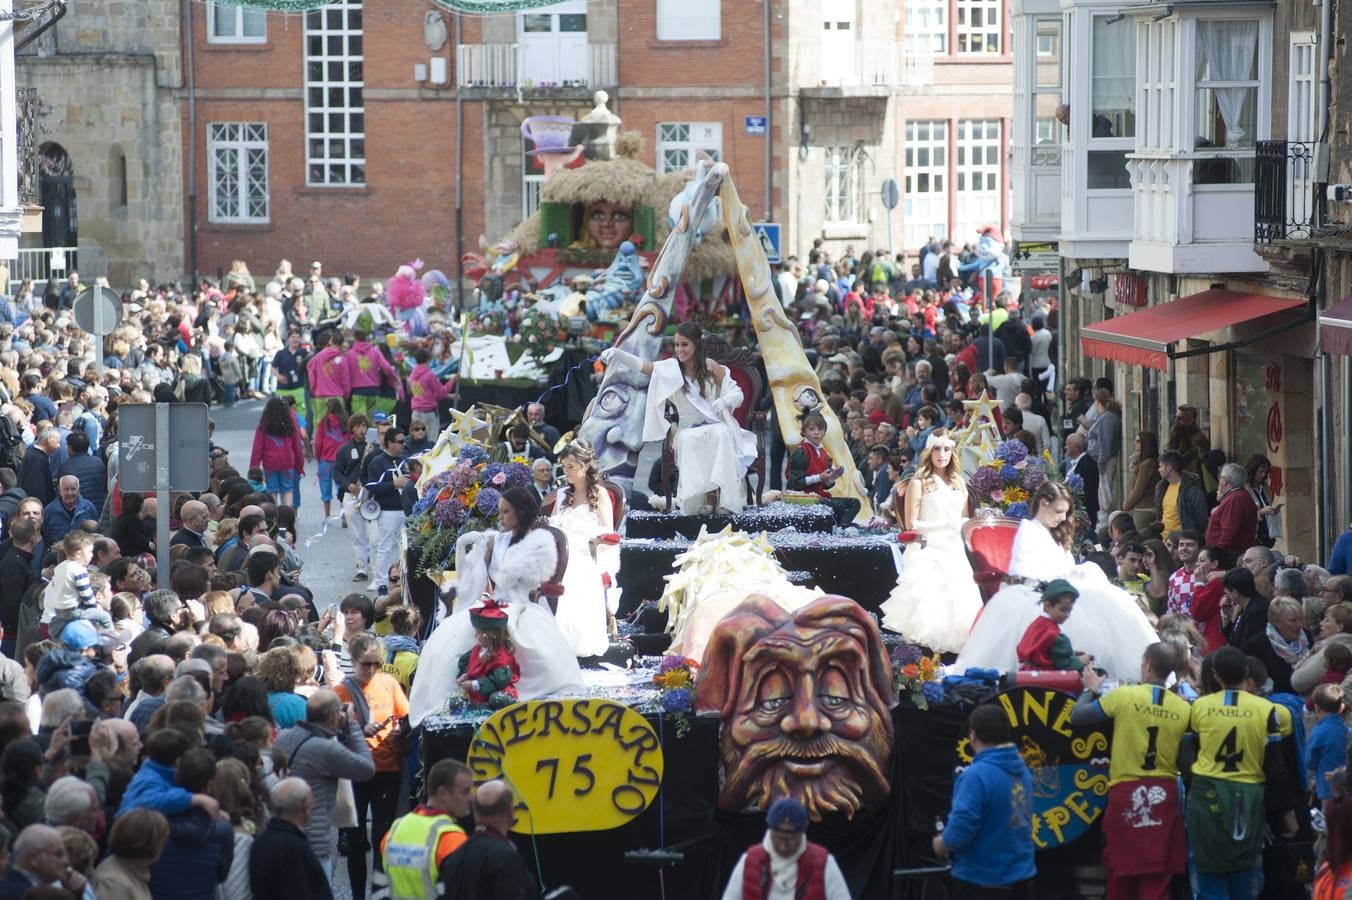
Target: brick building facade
333,134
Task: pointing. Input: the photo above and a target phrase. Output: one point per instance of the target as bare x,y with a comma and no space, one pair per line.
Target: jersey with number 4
1233,731
1148,725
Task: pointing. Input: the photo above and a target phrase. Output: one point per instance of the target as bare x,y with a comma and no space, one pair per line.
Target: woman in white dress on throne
936,599
584,511
1107,624
712,450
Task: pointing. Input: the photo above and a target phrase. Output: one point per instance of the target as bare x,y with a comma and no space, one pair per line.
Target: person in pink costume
327,374
427,391
371,372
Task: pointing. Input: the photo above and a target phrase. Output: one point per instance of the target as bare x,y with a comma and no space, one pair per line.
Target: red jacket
330,433
811,873
1206,612
1233,525
278,454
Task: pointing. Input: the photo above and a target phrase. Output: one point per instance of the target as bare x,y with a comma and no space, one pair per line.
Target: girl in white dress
1108,625
936,599
524,557
712,450
584,511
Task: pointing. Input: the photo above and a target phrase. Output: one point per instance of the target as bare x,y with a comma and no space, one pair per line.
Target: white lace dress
547,661
1106,623
712,450
581,613
935,600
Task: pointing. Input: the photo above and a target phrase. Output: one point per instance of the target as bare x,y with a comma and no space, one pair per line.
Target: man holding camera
327,746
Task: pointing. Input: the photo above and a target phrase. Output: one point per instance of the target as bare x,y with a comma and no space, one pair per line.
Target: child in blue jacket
1326,748
989,835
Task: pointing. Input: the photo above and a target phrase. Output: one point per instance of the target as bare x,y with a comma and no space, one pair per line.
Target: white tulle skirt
1106,623
936,600
544,655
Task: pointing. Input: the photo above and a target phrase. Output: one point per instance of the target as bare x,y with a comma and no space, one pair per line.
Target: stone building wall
110,71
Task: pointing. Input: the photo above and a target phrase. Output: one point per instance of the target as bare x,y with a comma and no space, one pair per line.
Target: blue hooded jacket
152,787
990,828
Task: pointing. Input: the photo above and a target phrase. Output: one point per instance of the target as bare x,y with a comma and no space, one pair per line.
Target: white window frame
968,33
1302,93
330,25
973,135
689,20
1157,80
241,13
706,136
926,27
842,182
1188,86
1118,144
925,180
238,139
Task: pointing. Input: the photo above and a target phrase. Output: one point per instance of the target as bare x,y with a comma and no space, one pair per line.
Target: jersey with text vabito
1148,724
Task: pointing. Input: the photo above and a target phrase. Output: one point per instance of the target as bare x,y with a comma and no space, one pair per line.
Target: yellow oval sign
575,765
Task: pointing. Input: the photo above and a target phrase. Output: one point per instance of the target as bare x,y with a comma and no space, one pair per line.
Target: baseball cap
79,635
786,813
379,417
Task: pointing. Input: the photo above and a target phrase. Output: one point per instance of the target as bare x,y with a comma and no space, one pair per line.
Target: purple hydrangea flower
518,475
905,655
985,480
671,662
1012,452
1033,476
677,700
1009,475
473,454
486,504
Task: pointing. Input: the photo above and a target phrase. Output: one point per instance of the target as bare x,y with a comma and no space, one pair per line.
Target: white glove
613,355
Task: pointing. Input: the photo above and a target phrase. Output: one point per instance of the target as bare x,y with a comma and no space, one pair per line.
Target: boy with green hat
1043,646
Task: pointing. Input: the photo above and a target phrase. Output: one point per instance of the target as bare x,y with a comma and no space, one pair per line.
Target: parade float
651,779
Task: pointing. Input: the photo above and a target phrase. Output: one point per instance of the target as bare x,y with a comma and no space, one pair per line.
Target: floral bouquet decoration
460,500
540,333
675,679
916,676
1006,480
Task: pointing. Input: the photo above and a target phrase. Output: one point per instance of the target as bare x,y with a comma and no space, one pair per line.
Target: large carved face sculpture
806,704
614,425
608,224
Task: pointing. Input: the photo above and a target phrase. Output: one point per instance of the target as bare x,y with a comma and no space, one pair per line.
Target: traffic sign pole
162,495
891,196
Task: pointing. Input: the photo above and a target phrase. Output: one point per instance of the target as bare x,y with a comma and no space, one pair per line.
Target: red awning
1335,327
1144,338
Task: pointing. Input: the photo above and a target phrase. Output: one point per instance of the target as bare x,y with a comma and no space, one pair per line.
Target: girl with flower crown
936,599
584,511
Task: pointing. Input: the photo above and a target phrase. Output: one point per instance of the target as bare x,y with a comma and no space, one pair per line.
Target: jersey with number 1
1233,731
1148,725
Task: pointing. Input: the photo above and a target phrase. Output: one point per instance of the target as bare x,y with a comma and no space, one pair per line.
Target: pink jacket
426,389
330,434
328,374
278,454
369,368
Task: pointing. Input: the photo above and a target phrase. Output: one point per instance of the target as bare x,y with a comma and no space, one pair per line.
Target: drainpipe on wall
192,143
769,123
459,302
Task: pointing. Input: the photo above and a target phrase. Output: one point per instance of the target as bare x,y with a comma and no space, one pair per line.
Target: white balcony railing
1193,213
870,67
503,66
42,263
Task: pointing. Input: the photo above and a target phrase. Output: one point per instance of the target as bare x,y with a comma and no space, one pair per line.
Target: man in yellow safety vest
417,843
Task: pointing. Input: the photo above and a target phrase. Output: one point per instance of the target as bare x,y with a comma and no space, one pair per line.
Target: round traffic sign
891,194
97,310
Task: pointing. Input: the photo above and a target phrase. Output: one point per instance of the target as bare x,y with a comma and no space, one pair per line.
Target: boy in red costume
810,470
1043,646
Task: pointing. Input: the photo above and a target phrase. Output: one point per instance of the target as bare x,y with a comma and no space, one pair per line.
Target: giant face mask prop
805,700
608,224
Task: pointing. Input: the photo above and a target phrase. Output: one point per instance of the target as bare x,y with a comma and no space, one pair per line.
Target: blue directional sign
768,235
756,124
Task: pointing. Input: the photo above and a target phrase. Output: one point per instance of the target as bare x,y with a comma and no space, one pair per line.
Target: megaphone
369,509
